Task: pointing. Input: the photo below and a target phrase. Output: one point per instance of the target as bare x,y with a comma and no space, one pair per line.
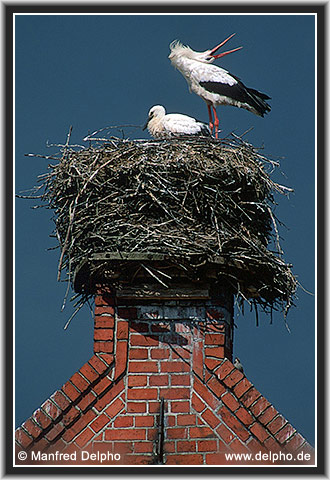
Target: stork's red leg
216,122
210,117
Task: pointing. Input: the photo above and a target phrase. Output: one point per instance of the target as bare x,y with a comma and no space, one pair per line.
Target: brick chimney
161,388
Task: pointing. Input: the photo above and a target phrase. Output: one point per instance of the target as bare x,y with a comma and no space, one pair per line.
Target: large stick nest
182,198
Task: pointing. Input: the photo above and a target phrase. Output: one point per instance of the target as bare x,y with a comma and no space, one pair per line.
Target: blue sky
92,71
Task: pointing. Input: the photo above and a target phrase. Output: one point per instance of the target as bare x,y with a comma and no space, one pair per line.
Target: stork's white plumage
213,84
162,125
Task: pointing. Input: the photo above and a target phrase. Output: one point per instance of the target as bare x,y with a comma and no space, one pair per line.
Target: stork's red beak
221,45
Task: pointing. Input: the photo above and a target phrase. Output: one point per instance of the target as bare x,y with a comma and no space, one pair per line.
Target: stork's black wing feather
240,93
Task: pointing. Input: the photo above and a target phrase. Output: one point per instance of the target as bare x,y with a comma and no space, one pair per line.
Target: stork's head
155,111
181,51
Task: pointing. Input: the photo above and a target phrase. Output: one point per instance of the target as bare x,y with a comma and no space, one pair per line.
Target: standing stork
213,84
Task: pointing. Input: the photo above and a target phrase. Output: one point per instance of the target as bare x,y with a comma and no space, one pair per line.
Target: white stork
162,125
214,84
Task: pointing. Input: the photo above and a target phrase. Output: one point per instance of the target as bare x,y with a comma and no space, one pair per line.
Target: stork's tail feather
257,101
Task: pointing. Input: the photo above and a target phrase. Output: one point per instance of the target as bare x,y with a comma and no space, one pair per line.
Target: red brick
216,386
70,391
186,446
144,421
70,416
242,387
176,433
180,380
141,367
212,363
250,397
216,459
129,313
51,409
272,445
231,402
180,353
233,378
295,442
142,394
86,401
122,330
186,420
169,447
259,431
136,407
210,418
107,358
123,421
171,420
186,459
276,424
79,382
198,357
254,446
225,433
99,422
23,438
144,340
259,406
125,434
60,400
200,432
197,403
78,426
244,416
160,353
84,437
89,372
286,432
175,393
98,365
105,310
180,407
217,352
138,353
103,347
152,434
225,368
137,380
214,339
238,447
42,444
99,300
121,357
143,447
115,390
268,415
158,380
153,407
32,428
105,334
232,422
205,394
41,418
140,326
114,408
176,366
104,322
138,459
207,445
102,385
55,431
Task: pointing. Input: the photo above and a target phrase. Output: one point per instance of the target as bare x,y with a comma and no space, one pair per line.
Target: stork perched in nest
162,125
213,84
